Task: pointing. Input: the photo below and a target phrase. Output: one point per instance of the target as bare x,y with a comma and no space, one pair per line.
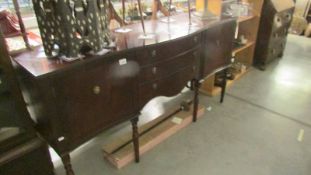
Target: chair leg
135,138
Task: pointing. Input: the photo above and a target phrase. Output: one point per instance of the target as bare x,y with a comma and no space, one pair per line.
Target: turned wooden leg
135,138
195,87
223,86
67,164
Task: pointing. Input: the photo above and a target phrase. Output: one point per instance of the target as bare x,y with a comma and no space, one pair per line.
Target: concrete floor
253,133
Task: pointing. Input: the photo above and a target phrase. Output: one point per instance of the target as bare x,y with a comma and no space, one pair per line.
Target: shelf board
245,18
217,90
239,49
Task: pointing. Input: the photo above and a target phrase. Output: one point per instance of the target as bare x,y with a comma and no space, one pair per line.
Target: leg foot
135,138
67,164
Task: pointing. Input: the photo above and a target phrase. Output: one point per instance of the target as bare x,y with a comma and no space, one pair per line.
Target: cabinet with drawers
72,102
274,24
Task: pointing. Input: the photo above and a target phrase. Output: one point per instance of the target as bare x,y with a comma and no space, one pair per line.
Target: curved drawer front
170,66
168,86
157,52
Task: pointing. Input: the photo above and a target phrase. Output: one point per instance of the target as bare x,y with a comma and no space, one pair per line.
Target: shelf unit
247,26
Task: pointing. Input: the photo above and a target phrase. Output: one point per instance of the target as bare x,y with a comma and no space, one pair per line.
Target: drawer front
170,66
96,97
217,47
168,86
155,53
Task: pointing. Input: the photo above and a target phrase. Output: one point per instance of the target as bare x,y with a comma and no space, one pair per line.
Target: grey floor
255,131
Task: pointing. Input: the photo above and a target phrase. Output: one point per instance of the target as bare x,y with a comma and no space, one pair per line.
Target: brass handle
153,53
195,39
154,70
218,43
96,90
155,86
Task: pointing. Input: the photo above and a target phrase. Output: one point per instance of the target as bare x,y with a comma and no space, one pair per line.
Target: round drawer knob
96,90
154,53
218,43
154,70
195,39
155,86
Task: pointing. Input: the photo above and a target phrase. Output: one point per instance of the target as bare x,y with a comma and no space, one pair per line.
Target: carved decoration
72,27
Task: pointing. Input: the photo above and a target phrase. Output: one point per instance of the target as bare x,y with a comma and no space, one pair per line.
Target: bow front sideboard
73,102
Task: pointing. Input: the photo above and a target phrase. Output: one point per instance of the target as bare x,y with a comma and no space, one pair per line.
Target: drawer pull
154,70
218,43
195,39
0,81
194,68
96,90
154,53
155,86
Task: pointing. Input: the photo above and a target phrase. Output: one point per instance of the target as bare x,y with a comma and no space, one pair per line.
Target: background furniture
247,26
274,24
21,151
72,102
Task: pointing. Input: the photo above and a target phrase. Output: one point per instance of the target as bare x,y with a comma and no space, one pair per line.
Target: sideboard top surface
38,64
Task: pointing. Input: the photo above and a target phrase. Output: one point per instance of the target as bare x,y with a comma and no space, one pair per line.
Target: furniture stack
274,24
22,152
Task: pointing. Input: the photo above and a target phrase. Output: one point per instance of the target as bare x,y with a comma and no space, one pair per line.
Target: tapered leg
67,164
195,86
223,86
135,138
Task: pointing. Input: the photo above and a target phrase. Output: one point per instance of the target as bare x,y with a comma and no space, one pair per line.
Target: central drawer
165,50
168,86
170,66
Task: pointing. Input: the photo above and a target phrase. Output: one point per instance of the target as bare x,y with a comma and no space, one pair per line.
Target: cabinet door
217,47
97,96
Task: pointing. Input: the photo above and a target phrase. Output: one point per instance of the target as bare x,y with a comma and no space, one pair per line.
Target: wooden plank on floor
153,137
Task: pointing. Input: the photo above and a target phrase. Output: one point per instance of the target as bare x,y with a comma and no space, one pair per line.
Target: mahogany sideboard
73,102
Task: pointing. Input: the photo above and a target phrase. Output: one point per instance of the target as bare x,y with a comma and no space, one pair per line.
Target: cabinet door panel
217,47
95,98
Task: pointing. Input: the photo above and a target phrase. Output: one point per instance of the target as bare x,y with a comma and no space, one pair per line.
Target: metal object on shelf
70,28
205,14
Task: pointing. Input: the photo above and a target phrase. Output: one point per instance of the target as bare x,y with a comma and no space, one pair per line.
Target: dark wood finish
80,99
135,139
274,24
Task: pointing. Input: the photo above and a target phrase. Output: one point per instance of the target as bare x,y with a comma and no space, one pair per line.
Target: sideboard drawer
173,65
168,86
166,50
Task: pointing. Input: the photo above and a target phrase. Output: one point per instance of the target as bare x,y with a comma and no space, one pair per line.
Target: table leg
195,86
223,86
135,138
67,164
